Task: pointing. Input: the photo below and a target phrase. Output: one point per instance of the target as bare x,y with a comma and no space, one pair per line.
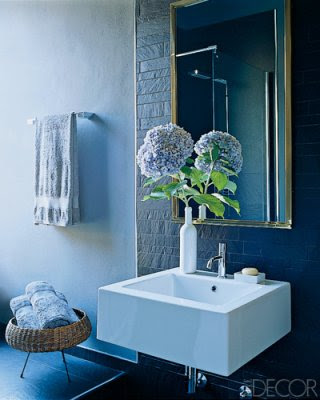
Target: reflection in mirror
228,70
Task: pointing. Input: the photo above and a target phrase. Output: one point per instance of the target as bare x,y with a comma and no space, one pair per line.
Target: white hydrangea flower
230,150
164,151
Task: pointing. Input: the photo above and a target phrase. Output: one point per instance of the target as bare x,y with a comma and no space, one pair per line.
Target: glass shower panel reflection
195,92
247,122
219,91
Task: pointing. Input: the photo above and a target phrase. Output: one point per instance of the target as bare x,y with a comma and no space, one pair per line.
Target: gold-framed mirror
231,72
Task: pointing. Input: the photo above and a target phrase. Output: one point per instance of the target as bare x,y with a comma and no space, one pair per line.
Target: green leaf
213,203
197,178
232,203
186,170
149,181
199,175
215,153
230,171
189,161
160,192
219,179
190,191
206,158
231,186
171,188
155,196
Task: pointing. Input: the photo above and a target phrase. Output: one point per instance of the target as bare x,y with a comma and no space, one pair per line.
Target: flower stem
209,176
182,196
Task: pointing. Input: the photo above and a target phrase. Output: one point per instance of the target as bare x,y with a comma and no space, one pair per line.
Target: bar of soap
250,271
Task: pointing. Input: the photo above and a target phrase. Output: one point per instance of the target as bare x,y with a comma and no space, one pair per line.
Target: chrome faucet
221,258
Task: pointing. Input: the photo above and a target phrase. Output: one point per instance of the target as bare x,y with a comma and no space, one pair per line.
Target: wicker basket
45,340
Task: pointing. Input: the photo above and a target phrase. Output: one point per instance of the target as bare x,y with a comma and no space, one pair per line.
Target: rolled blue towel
73,315
61,296
50,309
23,312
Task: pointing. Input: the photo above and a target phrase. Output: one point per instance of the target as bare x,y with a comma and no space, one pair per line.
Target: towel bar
82,114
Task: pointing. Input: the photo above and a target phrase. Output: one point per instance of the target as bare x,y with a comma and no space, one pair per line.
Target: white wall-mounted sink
183,319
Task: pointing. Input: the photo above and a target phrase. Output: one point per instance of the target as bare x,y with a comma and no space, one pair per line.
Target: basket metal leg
65,364
25,364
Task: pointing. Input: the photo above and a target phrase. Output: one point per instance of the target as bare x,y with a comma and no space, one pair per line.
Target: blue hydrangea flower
230,150
164,151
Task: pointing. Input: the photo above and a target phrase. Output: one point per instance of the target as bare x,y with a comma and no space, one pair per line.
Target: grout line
114,378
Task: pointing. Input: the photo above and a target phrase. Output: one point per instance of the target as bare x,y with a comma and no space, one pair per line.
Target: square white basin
213,324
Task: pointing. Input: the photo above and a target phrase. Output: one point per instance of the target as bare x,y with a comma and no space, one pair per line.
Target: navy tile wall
291,255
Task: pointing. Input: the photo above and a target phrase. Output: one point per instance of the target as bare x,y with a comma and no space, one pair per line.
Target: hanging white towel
56,171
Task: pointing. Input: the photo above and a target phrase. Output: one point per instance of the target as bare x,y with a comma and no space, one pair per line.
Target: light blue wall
60,56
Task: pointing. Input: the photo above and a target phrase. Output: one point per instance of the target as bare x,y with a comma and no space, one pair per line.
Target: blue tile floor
45,376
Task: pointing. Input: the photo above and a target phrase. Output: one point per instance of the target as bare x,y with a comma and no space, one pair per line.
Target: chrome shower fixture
197,74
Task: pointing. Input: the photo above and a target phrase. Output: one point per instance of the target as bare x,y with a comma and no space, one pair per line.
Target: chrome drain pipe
195,379
192,379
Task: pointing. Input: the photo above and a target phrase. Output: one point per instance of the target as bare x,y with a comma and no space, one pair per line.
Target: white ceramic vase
188,244
202,212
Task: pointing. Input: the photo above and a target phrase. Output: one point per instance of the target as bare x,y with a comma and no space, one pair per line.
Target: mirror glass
230,65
